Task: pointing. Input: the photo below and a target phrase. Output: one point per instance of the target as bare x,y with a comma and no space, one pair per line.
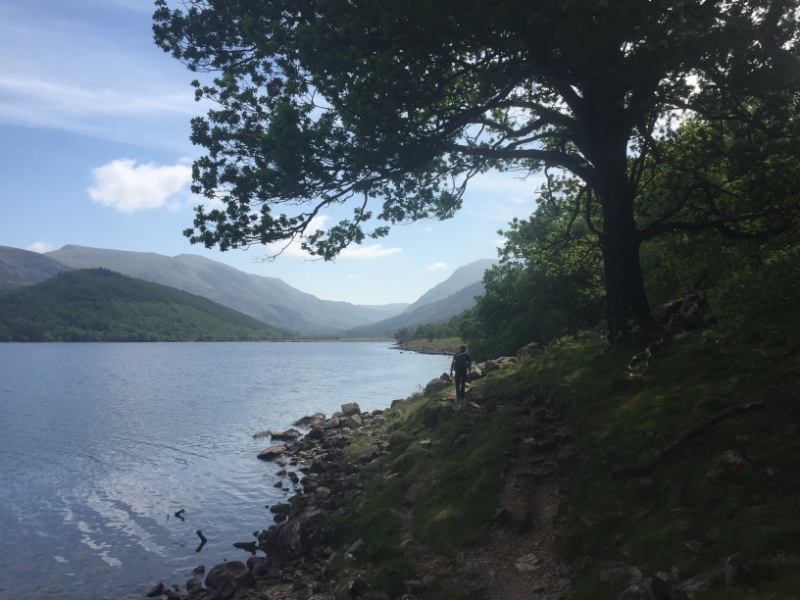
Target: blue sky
95,151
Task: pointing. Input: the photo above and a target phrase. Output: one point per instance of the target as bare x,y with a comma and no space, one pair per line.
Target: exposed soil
516,559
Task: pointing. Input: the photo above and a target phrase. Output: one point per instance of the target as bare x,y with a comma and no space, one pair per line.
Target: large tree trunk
627,307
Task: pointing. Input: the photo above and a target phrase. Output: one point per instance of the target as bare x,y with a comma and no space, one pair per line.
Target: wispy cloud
128,187
41,247
367,252
439,266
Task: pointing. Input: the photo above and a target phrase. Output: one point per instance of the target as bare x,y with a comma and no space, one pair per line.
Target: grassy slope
688,513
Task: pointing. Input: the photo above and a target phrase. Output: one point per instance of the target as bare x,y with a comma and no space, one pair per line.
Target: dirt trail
516,559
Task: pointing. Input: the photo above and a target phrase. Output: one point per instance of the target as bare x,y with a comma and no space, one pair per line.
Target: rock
250,547
475,373
158,590
436,385
735,458
356,547
488,366
289,435
642,590
225,578
529,351
297,537
369,454
316,433
527,563
351,589
273,452
353,421
739,571
310,422
261,434
193,585
686,590
415,587
280,508
332,423
350,409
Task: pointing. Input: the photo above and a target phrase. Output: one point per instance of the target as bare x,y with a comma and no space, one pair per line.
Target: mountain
22,267
442,302
101,305
460,279
267,299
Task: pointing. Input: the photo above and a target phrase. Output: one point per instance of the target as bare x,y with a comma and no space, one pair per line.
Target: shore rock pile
314,466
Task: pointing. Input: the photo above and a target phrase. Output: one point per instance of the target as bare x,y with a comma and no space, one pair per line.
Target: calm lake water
100,444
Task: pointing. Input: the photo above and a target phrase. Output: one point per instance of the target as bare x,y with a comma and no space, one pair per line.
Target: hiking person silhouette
460,365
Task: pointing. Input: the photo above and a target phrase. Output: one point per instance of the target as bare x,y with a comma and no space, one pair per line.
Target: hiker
460,365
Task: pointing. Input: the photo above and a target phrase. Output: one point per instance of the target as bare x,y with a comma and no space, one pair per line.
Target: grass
689,513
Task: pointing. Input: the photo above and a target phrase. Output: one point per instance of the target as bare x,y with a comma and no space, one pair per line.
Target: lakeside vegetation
98,305
730,488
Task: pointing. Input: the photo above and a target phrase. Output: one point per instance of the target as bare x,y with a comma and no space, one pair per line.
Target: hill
22,267
101,305
267,299
439,304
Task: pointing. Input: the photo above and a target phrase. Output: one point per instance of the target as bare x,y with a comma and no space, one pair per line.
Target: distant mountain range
448,299
267,299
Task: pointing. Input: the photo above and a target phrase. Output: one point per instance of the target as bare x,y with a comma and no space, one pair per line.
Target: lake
100,444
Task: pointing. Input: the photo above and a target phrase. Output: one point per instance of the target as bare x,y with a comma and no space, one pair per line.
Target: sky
95,151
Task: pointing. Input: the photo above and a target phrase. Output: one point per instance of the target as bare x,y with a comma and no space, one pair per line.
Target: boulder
309,422
315,434
475,373
436,385
530,351
289,435
225,578
297,537
280,508
488,366
351,408
273,452
353,421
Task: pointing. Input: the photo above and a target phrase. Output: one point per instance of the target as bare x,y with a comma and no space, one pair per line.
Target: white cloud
128,187
439,266
41,247
372,251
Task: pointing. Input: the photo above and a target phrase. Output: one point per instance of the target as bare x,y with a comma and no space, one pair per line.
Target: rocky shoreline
314,466
288,559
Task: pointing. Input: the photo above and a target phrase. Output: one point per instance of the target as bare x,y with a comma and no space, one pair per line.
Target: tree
401,103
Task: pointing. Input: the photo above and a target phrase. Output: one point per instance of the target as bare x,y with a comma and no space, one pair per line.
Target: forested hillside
97,305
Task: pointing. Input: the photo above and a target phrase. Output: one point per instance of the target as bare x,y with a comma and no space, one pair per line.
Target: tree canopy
398,104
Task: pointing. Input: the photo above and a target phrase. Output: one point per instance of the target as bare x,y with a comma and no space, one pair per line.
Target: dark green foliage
97,305
399,104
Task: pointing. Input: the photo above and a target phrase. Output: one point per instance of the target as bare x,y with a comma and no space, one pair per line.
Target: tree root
657,456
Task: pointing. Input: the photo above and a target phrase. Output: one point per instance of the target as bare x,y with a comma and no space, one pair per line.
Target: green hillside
98,305
683,468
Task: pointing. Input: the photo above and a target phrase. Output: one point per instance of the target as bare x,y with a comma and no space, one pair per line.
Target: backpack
461,360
